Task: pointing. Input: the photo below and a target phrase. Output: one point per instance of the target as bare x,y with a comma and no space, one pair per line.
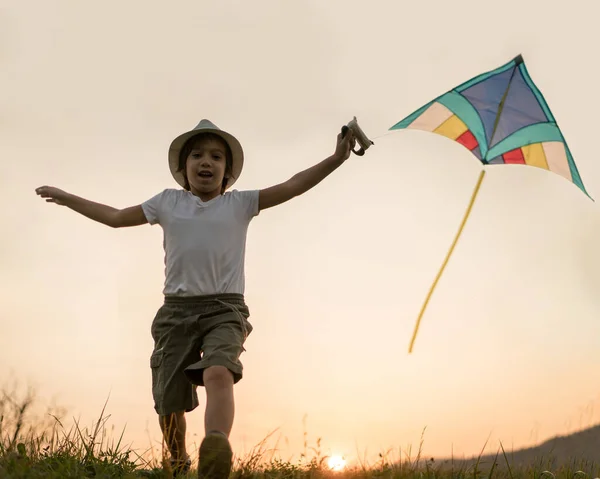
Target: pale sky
94,92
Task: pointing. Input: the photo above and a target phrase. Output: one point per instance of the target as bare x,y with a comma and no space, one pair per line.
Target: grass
42,447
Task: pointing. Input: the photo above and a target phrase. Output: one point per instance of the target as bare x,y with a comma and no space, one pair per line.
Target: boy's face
205,168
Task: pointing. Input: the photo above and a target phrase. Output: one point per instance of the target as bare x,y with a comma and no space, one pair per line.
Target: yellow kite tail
462,225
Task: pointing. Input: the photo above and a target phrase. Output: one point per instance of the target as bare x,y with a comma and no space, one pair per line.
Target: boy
200,330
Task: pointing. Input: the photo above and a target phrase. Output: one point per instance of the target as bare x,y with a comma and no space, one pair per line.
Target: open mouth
205,174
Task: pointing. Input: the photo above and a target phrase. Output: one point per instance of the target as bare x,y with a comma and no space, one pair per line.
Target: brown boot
215,457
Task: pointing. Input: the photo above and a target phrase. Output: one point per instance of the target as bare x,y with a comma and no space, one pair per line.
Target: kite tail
437,278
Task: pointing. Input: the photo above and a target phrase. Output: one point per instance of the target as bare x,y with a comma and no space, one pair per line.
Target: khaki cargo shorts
191,334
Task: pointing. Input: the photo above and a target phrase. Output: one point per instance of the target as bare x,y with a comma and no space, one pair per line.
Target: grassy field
42,447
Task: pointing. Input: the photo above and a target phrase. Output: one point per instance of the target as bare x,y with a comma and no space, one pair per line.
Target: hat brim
237,153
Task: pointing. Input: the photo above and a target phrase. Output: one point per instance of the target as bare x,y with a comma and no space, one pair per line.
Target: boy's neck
205,196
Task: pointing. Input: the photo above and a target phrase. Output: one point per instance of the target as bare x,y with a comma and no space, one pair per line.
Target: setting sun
336,463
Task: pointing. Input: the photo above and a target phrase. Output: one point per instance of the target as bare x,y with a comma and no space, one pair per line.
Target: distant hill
578,450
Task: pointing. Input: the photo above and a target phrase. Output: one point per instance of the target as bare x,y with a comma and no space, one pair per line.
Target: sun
336,463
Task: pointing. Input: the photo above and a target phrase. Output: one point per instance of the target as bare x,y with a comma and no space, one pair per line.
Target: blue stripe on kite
536,92
484,76
458,104
521,109
486,97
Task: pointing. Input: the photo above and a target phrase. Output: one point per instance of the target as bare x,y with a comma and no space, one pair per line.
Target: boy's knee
217,377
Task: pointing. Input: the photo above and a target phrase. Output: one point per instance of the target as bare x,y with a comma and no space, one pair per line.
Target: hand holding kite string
345,144
359,135
502,118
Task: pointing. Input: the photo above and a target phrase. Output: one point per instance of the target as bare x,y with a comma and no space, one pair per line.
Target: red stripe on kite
514,157
467,140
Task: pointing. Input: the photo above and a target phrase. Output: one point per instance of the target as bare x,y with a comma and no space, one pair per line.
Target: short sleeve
154,207
247,201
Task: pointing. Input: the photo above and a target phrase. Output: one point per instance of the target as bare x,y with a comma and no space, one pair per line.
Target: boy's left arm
305,180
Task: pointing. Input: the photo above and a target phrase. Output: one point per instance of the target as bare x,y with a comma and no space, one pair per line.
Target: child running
200,329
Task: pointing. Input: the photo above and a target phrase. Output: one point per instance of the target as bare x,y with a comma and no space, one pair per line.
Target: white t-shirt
204,242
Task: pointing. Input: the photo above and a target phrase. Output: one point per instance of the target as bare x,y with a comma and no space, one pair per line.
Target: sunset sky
93,94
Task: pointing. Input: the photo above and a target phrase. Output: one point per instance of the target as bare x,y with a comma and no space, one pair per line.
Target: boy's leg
173,428
172,392
215,451
220,407
218,370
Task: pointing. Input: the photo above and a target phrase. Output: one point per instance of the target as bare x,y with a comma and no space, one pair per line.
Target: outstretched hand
345,145
52,194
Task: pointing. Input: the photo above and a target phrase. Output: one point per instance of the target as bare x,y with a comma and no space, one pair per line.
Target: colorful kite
502,118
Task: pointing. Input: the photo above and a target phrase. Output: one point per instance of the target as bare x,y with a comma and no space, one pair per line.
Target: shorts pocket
156,360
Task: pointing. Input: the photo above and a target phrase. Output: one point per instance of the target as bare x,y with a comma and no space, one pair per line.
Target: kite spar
502,118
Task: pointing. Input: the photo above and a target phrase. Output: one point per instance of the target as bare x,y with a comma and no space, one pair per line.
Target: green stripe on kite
531,134
464,110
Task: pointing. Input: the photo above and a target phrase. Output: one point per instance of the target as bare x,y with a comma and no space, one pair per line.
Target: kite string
382,135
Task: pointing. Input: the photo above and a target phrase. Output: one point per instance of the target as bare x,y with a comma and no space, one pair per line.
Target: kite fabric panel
502,118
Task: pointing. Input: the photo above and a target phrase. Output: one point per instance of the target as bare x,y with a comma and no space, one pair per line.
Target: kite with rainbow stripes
502,118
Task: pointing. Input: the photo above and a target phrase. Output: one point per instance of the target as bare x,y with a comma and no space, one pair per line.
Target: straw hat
206,126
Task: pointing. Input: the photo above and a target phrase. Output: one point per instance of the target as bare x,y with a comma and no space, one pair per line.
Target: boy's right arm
113,217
